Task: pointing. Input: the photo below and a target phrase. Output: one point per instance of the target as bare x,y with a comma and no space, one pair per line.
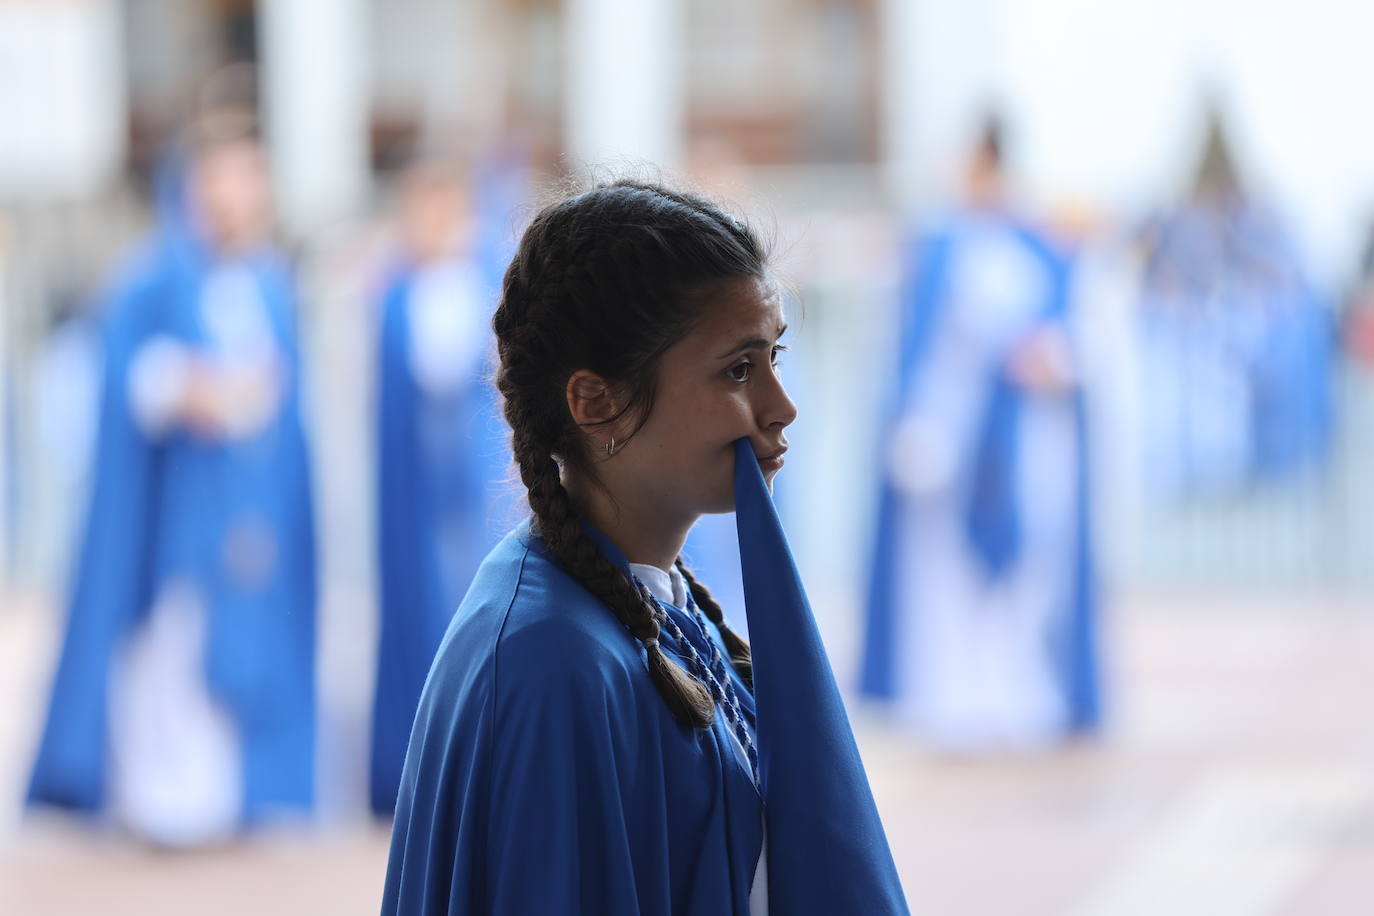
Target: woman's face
719,383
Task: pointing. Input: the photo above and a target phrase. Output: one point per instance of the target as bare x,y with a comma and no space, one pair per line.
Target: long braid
556,521
740,657
687,697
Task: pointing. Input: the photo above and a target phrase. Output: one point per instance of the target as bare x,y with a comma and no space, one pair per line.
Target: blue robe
442,491
1245,347
991,516
546,774
163,510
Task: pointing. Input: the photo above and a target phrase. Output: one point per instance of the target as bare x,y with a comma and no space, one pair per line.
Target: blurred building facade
847,116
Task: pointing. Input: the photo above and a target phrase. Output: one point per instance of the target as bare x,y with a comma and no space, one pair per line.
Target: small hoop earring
610,447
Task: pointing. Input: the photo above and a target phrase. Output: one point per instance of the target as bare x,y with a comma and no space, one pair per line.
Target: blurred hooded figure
183,702
981,607
441,446
1237,346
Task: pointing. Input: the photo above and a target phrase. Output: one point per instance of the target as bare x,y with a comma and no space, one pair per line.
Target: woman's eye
740,373
778,351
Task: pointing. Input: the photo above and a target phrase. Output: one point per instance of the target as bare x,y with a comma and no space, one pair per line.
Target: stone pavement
1237,779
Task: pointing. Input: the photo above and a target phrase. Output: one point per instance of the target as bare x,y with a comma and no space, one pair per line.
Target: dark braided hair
607,280
740,659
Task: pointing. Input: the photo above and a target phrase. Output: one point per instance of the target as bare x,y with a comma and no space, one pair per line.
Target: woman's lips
773,462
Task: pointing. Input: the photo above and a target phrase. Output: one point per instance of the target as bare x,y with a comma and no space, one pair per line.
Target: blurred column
623,85
314,61
939,77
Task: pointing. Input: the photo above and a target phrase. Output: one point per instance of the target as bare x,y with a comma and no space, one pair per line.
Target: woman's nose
779,410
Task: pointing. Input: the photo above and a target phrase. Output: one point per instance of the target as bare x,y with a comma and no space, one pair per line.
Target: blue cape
991,520
441,468
546,775
1240,264
162,509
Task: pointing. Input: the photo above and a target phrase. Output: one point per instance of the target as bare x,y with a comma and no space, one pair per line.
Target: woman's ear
590,398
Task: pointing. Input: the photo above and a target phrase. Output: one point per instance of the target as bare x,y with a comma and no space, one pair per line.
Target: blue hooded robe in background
992,525
443,501
546,774
232,518
1237,350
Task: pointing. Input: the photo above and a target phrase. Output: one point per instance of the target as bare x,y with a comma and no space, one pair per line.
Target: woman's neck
645,534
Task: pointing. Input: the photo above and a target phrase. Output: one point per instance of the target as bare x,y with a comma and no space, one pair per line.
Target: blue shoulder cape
164,509
991,520
546,775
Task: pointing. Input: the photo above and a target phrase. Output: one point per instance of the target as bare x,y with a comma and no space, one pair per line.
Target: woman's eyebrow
753,343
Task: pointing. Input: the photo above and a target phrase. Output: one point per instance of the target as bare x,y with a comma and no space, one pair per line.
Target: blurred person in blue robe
444,496
183,703
981,614
1236,345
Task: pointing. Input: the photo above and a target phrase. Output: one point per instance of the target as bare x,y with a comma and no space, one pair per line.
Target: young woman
588,740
